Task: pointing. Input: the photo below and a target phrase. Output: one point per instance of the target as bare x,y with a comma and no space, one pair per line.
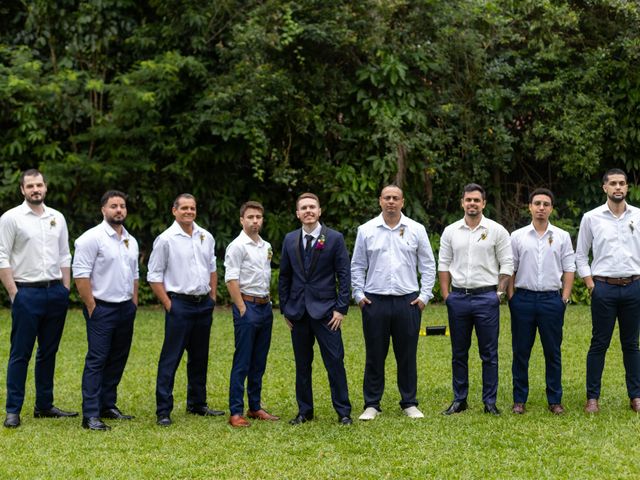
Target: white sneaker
369,414
413,412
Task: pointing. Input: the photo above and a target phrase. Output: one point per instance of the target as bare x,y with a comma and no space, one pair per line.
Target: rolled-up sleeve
158,261
504,253
85,256
7,234
585,238
232,262
426,267
359,265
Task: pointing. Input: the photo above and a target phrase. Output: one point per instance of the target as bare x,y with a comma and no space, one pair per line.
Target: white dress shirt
315,234
615,243
34,247
539,261
110,262
249,263
385,260
183,263
475,258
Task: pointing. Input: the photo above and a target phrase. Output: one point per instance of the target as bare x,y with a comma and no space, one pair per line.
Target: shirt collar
484,223
315,233
176,229
379,222
111,231
26,209
244,238
549,231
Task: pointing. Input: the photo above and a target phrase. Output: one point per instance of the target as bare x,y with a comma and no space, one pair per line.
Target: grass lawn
470,445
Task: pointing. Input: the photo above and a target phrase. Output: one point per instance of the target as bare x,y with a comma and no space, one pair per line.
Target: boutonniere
126,242
631,226
320,242
550,238
270,254
401,232
52,223
483,236
201,237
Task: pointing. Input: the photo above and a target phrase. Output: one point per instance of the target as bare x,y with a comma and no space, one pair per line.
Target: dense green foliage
232,100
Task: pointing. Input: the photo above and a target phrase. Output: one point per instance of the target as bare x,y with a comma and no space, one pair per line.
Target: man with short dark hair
182,274
35,270
247,266
105,270
539,290
314,288
611,231
475,265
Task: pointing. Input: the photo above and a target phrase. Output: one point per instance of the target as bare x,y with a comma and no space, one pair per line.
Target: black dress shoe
300,419
345,421
163,420
456,407
491,408
204,411
12,420
53,412
115,414
94,423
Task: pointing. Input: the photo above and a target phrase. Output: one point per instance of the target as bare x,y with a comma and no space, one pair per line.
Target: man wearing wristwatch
476,259
539,290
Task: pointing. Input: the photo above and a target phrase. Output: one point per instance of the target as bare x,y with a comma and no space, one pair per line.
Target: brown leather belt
619,281
252,299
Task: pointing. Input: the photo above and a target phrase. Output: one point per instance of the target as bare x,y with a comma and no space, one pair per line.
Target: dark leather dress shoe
262,415
556,408
163,420
491,408
204,411
518,408
345,421
456,407
12,420
634,403
115,414
94,423
300,419
53,412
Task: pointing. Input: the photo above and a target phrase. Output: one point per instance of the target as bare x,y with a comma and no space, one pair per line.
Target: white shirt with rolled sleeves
540,261
34,247
183,263
249,263
110,262
615,243
475,258
385,260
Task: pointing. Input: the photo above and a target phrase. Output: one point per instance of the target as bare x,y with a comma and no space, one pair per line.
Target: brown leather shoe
592,406
261,415
238,421
635,404
556,408
518,408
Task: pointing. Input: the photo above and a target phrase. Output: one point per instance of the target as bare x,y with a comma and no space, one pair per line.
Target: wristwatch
500,294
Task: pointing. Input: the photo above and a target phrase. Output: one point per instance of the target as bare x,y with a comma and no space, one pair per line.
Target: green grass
470,445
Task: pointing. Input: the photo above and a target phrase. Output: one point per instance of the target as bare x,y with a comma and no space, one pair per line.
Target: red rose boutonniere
320,243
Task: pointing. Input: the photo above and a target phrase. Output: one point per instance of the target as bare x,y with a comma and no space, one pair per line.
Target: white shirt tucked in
615,243
183,263
475,257
386,260
110,262
34,247
540,260
249,263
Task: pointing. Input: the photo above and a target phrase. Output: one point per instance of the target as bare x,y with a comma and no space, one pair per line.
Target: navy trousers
544,312
481,311
36,313
305,332
187,327
391,317
109,334
607,303
252,338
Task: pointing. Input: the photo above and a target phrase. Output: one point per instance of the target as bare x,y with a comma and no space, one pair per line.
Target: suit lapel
316,251
297,245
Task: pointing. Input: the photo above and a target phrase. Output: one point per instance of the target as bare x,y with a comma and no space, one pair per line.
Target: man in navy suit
314,288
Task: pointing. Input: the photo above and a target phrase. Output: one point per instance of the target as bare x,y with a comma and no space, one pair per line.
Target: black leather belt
619,281
258,300
47,284
188,298
474,291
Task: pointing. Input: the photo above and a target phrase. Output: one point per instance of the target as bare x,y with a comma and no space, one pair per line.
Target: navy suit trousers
252,338
109,334
530,312
303,336
36,313
481,311
187,327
